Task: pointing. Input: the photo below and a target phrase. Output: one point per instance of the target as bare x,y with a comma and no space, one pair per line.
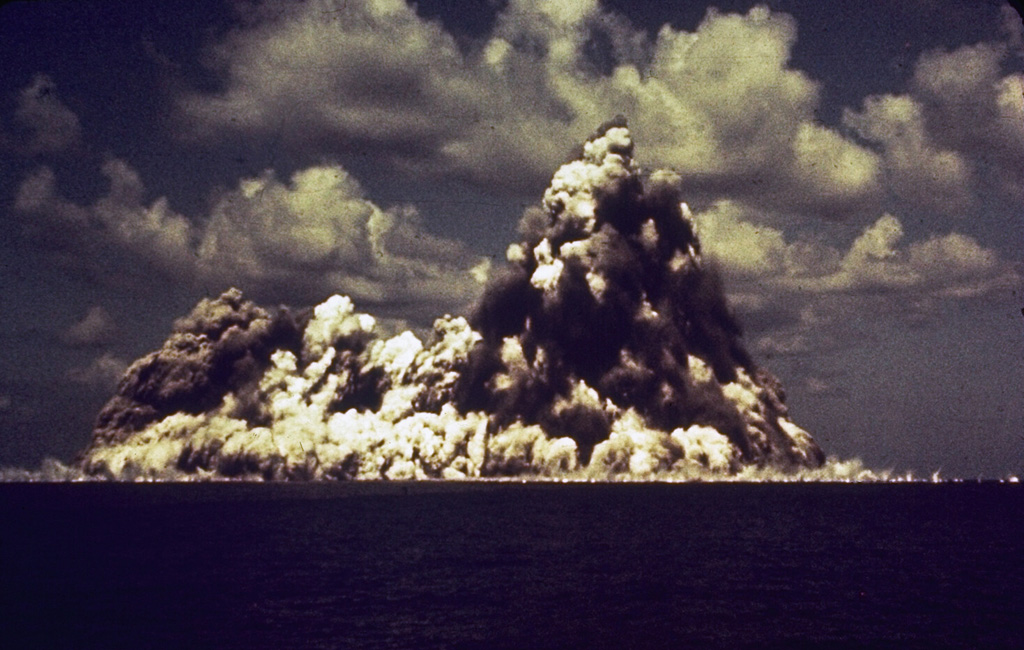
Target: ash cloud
603,349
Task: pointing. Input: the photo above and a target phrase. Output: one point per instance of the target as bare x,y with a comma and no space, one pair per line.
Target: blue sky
858,174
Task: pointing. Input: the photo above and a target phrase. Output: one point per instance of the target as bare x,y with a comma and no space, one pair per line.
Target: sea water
512,565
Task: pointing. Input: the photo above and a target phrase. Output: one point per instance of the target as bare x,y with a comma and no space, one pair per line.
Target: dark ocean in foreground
432,565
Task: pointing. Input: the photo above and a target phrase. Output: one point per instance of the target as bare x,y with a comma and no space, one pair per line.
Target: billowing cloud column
604,348
608,323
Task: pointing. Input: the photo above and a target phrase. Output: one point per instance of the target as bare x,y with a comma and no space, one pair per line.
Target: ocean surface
511,565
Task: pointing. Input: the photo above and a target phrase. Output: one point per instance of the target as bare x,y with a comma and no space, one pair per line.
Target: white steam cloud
604,349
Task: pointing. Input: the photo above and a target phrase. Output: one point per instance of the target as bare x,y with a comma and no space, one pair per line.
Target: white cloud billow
102,373
295,241
960,125
721,105
806,288
952,264
319,234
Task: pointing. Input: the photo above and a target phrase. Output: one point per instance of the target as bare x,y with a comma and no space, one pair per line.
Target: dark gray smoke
605,348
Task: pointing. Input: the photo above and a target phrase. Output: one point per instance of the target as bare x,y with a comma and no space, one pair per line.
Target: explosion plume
604,348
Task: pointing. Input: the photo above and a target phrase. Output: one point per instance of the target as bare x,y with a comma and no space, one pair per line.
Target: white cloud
958,129
721,104
39,191
292,242
738,244
975,109
832,171
318,234
367,71
919,171
153,234
723,107
1012,28
966,268
51,126
95,328
796,293
951,264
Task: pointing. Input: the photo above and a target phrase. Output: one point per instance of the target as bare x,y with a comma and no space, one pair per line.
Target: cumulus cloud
721,104
319,234
958,130
527,385
949,264
367,72
725,107
153,234
294,241
920,172
795,289
50,126
94,329
1013,29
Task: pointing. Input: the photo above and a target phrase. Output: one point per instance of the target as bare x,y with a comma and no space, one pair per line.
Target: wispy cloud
96,328
48,125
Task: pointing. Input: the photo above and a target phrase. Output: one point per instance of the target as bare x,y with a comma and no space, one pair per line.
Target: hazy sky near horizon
856,173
